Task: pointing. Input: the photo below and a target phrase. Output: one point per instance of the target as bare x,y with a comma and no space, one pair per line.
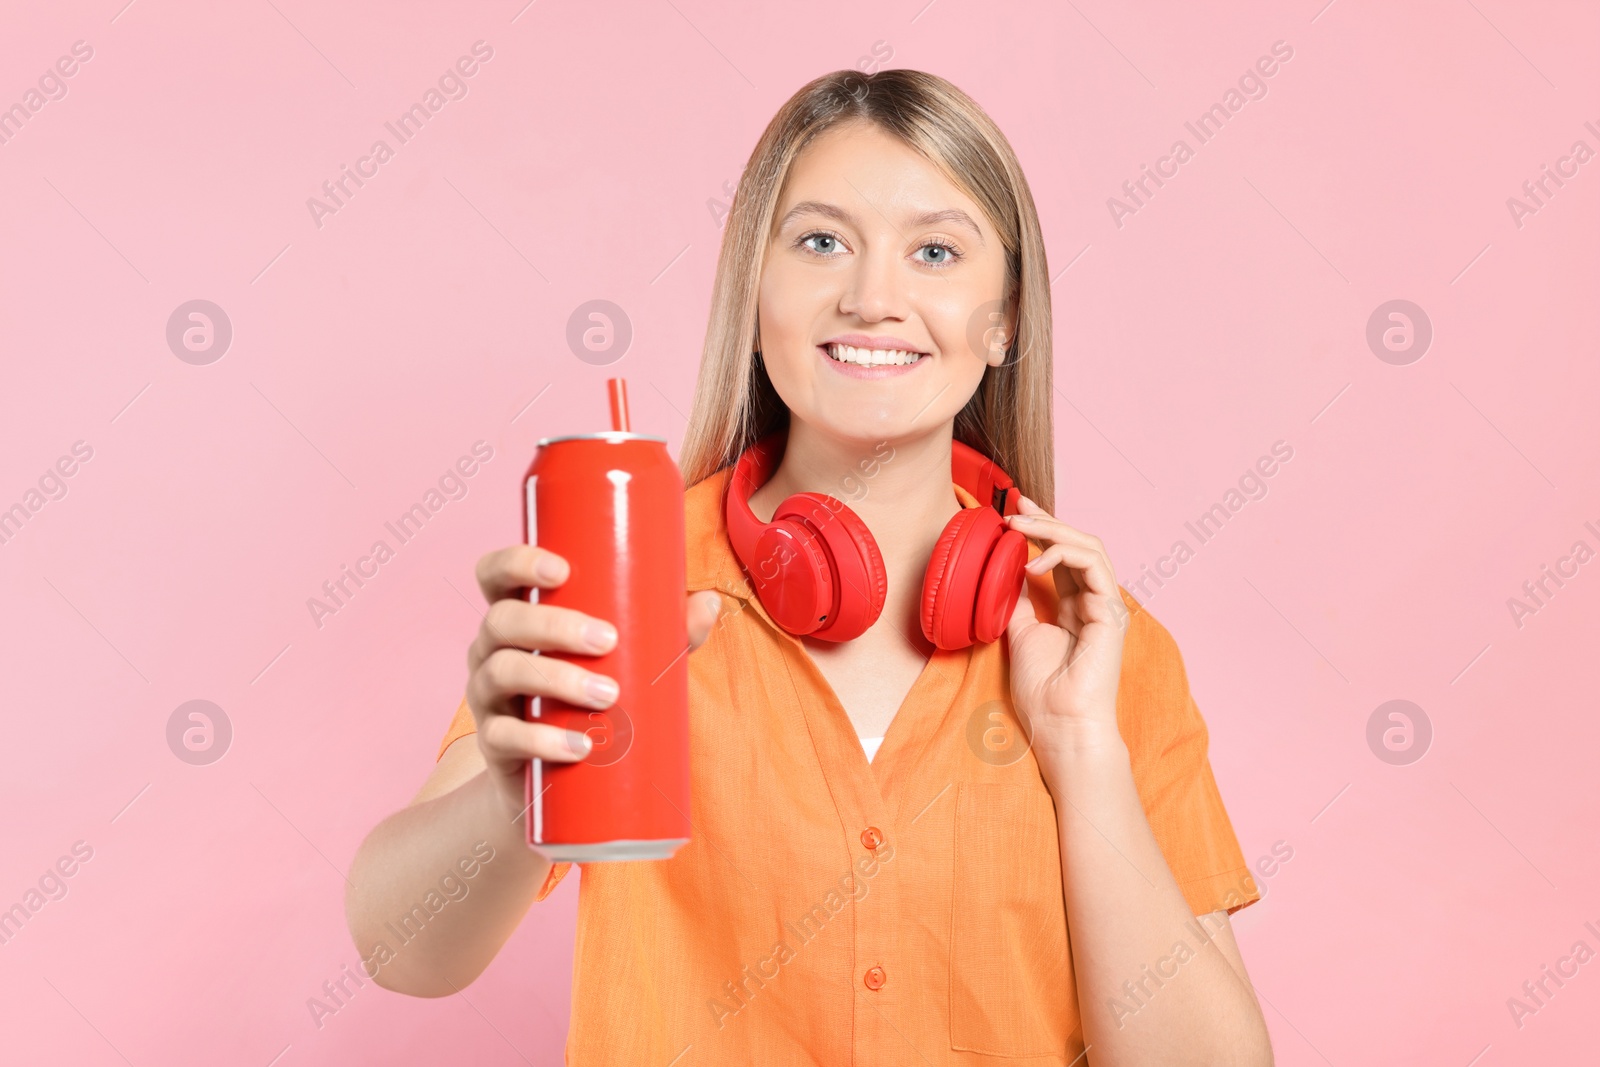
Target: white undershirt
871,745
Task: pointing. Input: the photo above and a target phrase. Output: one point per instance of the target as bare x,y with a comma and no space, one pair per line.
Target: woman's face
875,248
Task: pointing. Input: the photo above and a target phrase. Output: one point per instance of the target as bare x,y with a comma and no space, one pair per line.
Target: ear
1005,337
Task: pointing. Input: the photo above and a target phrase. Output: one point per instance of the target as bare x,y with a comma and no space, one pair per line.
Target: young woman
958,824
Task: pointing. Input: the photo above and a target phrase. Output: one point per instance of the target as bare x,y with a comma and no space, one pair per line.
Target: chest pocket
1011,987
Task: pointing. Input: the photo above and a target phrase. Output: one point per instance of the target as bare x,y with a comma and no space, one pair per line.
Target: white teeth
871,357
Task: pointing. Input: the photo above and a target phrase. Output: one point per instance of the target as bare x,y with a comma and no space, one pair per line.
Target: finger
1022,618
1040,526
1047,532
703,610
507,571
1026,506
1096,572
512,623
506,739
508,674
1079,581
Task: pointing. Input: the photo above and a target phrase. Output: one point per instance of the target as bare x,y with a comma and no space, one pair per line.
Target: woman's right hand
501,671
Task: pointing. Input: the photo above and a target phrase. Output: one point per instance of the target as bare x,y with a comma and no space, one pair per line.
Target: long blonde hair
1008,417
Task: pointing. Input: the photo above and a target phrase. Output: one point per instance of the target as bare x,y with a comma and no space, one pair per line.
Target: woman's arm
404,858
437,888
1155,983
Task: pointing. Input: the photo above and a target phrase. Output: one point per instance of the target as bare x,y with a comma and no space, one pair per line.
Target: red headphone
818,571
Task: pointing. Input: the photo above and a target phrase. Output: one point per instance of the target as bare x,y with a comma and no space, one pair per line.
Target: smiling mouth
871,357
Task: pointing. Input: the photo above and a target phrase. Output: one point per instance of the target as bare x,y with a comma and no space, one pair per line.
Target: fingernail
577,742
1023,518
599,636
550,568
601,690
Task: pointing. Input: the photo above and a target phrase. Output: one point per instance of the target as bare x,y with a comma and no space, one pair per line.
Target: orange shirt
777,936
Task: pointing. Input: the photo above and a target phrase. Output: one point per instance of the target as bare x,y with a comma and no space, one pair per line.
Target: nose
876,289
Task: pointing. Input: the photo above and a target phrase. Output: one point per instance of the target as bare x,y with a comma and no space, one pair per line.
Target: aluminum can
611,505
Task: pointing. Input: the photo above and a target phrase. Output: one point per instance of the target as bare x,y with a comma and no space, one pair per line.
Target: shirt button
871,838
875,978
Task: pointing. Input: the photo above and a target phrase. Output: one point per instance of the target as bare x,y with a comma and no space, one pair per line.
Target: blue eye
944,254
819,237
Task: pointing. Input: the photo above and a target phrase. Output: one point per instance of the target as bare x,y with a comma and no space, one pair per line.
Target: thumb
703,610
1023,618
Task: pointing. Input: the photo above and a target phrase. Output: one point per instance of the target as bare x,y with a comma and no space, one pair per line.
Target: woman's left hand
1064,676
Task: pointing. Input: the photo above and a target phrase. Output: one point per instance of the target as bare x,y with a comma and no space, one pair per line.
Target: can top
604,435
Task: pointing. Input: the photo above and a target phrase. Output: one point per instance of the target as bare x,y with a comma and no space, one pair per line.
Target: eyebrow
917,221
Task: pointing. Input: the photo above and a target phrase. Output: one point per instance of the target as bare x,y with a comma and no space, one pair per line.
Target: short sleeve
463,724
558,871
460,726
1167,745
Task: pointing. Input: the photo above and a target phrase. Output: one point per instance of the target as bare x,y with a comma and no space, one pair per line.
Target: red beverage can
611,505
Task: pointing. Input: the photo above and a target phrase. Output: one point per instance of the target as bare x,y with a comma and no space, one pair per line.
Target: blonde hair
1008,417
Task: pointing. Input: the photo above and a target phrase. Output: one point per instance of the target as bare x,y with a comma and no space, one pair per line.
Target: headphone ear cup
1000,587
793,576
950,586
860,583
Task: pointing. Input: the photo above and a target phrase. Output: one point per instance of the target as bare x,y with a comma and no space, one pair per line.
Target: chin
863,428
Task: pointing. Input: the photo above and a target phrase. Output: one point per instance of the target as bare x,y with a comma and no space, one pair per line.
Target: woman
881,305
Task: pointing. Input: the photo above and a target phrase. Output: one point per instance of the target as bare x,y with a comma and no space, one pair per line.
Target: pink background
368,354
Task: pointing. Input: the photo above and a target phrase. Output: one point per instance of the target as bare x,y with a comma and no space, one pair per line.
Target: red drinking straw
618,390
